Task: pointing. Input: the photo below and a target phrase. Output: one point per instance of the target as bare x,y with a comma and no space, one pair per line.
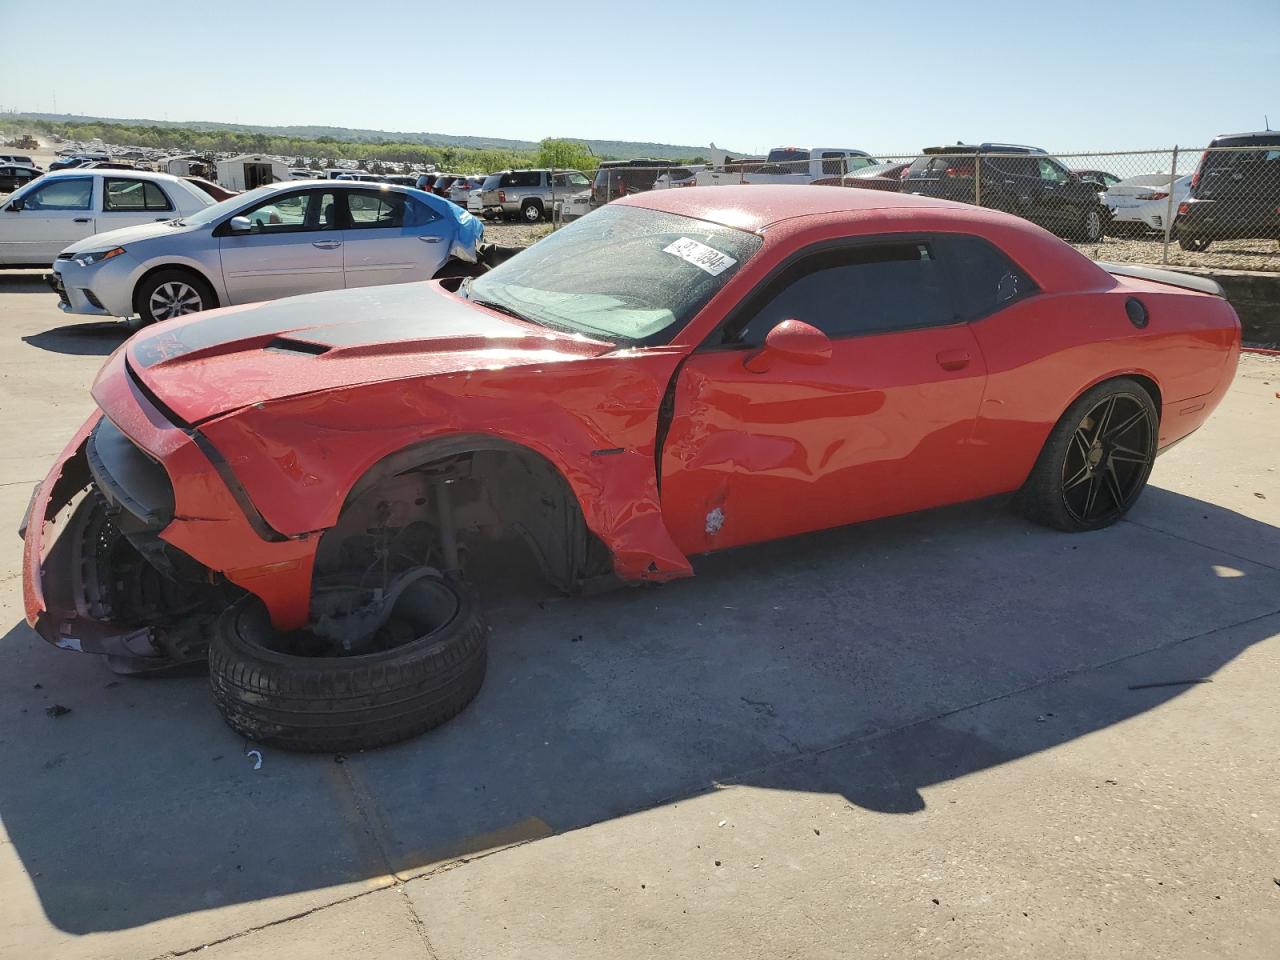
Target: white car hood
126,235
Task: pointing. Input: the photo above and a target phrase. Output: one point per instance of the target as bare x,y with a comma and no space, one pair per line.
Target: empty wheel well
451,503
142,281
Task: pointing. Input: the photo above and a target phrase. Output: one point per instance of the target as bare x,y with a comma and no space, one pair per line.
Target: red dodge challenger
301,491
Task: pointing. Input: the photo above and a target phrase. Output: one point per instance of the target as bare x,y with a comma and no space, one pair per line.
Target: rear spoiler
1173,278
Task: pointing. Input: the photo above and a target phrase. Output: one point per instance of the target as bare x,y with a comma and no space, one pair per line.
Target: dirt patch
1223,255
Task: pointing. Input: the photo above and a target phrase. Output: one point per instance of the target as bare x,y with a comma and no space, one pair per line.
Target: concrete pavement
931,736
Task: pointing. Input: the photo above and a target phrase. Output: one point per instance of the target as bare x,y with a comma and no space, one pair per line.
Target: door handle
953,359
327,244
83,220
429,239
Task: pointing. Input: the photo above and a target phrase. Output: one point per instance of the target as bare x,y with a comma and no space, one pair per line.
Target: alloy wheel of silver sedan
174,299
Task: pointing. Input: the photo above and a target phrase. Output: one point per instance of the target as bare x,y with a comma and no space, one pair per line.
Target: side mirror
792,340
240,225
15,206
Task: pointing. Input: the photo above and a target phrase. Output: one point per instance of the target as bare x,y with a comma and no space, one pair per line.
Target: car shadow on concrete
870,662
92,338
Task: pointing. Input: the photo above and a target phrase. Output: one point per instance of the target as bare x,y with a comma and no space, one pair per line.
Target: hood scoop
289,345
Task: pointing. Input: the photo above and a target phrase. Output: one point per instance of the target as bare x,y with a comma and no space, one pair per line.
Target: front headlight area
98,256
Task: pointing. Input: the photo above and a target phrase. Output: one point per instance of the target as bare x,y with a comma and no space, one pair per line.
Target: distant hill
623,149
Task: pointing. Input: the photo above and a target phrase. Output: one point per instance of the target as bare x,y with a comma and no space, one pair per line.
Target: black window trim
168,208
750,302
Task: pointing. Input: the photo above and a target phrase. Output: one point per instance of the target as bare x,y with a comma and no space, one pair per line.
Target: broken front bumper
54,591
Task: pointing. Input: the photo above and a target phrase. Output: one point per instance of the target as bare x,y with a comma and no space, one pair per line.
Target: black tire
1116,478
152,289
335,704
1091,225
1194,244
531,211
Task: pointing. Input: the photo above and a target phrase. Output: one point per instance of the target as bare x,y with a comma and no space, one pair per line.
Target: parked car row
158,246
1234,193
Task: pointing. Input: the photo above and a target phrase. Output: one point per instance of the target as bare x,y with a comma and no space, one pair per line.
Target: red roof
753,206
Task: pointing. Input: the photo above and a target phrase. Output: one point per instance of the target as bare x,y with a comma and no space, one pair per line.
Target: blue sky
883,75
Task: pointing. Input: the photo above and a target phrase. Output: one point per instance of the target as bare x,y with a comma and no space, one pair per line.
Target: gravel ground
516,234
1225,254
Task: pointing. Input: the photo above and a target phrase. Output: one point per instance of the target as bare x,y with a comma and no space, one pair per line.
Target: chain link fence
1212,208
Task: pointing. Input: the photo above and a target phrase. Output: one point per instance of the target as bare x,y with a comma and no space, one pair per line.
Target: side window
61,194
370,211
294,213
418,214
508,180
983,279
133,196
858,290
579,181
833,164
1048,170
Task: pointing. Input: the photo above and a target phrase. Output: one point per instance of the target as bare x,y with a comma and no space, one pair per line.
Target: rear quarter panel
1045,352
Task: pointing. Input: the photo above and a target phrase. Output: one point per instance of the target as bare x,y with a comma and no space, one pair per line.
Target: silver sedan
276,241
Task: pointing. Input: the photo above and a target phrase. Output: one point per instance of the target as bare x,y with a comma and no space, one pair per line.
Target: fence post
1168,210
977,179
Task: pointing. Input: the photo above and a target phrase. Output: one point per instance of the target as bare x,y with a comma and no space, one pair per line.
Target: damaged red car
303,491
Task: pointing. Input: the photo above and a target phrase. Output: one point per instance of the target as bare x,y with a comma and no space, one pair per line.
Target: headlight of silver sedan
98,256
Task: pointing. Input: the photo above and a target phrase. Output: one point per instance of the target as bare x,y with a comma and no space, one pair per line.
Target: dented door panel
883,428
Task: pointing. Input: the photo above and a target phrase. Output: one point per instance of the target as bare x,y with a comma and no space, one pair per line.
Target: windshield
214,211
624,274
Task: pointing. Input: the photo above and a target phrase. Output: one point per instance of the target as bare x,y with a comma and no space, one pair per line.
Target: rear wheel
1194,244
1096,462
167,294
1090,225
531,211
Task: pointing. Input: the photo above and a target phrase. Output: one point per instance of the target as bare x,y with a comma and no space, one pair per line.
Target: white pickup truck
802,166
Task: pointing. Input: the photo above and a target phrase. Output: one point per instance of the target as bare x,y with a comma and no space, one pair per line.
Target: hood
127,235
216,362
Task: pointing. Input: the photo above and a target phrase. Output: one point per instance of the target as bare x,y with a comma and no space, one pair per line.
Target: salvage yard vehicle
529,194
48,214
13,176
1235,193
1140,205
1016,179
622,178
305,488
276,241
802,165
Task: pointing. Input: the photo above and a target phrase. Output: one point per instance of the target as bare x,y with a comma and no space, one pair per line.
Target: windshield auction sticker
700,255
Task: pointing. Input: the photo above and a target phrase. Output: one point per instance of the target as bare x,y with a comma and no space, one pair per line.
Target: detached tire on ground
345,703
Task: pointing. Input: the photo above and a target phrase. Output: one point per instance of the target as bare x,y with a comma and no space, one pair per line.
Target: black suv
1024,181
1235,193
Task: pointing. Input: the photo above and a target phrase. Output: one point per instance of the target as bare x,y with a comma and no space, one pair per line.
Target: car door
1058,195
391,237
128,201
881,426
293,245
38,223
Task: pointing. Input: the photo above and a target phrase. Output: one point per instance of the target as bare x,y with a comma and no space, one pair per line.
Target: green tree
565,155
